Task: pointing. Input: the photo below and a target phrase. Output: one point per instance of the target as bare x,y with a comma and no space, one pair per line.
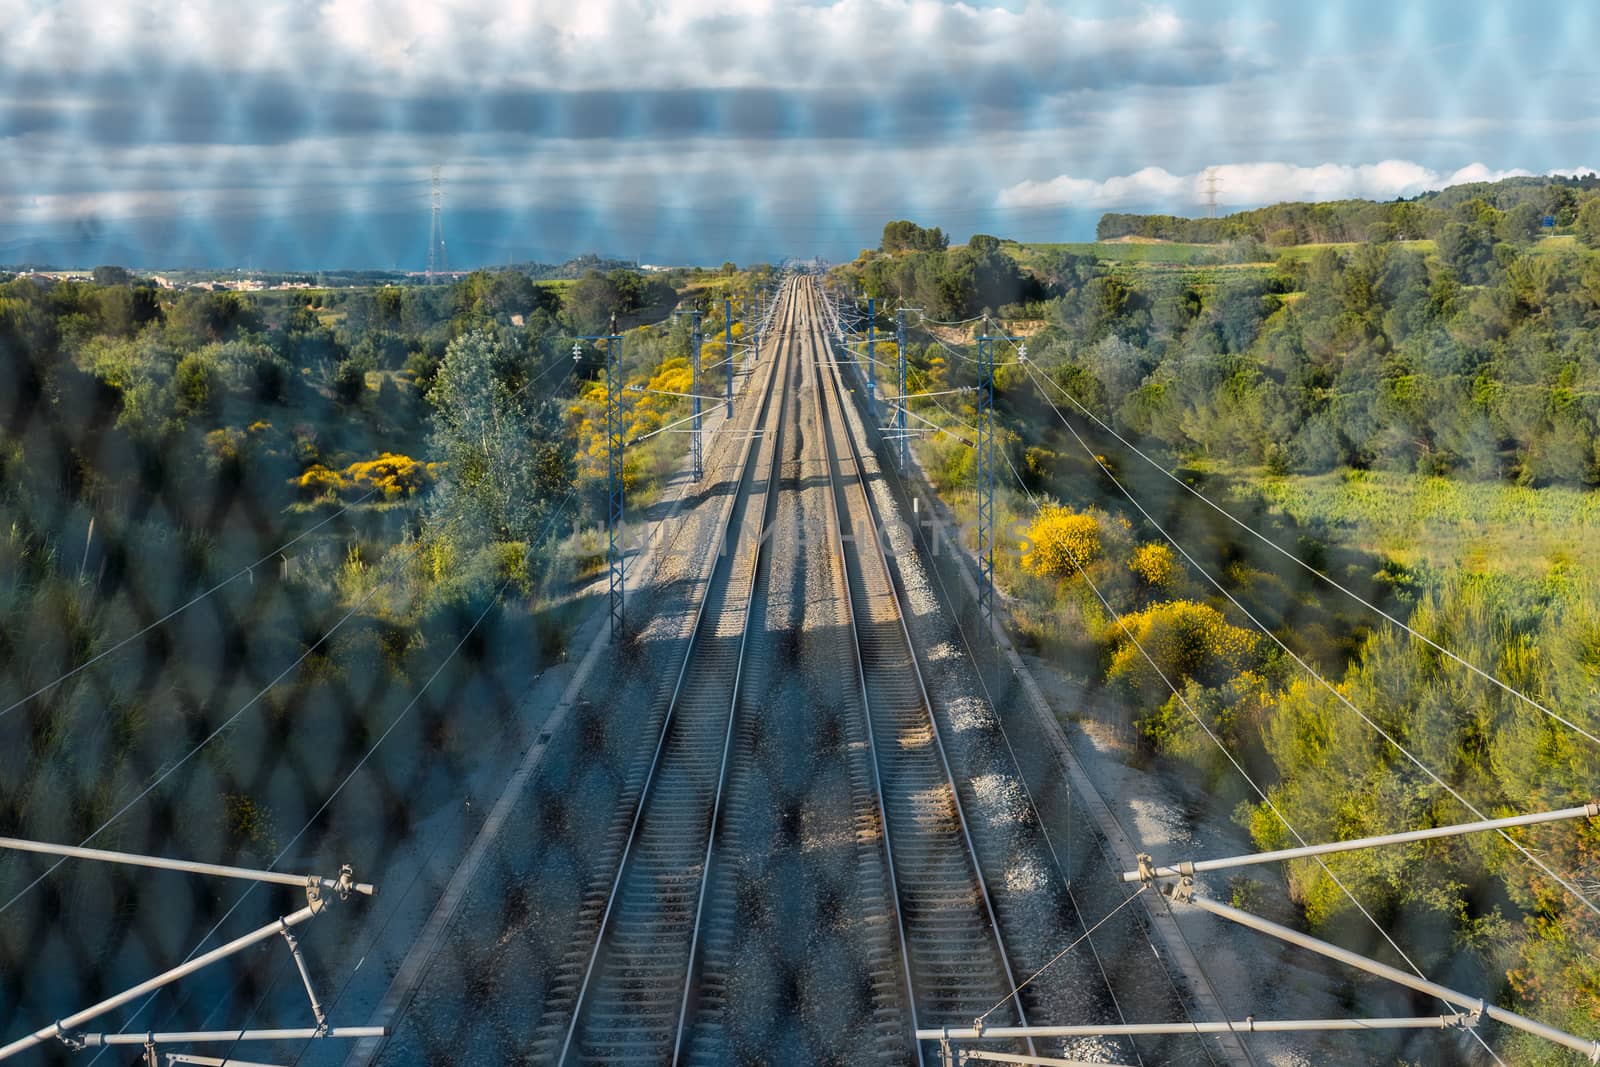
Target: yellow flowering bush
1060,541
391,474
1155,564
320,481
1185,639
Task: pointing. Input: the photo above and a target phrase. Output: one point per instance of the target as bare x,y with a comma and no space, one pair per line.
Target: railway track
803,959
653,974
627,990
955,956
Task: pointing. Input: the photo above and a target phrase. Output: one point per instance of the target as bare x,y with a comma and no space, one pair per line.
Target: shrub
1185,639
1060,542
1155,564
320,481
391,474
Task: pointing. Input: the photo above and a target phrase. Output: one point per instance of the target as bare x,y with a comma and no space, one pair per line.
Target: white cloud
1243,184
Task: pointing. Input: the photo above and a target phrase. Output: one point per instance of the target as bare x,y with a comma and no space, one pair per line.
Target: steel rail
836,528
723,561
763,528
835,395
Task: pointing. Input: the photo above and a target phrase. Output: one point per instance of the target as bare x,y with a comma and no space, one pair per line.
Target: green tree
112,276
902,235
1520,225
1588,226
196,387
506,462
1467,250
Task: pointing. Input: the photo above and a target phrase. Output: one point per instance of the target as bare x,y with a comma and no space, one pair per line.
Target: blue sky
290,134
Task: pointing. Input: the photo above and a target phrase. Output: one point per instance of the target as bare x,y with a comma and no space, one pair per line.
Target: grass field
1159,255
1127,251
1562,242
1442,522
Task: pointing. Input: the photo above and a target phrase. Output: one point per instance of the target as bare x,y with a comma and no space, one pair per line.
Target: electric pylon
437,263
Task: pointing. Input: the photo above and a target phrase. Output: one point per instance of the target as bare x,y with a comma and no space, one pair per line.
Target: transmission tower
437,263
1211,192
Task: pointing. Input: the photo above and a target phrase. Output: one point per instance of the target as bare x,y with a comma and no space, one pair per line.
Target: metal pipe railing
299,881
1586,1046
1148,871
1241,1026
64,1027
978,1055
203,1037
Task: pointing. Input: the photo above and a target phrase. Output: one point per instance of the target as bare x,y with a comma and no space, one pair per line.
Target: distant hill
1524,203
573,268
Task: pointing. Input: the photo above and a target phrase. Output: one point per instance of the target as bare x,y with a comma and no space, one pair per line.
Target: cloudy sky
291,133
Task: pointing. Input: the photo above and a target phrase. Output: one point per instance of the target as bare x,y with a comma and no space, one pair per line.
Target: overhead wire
395,911
1179,695
285,850
181,608
1066,876
1100,845
1255,787
1352,594
492,603
235,576
1183,700
172,768
1339,695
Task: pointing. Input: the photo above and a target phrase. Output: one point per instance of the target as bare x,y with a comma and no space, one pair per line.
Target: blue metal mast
901,433
985,465
872,358
614,561
727,345
986,472
696,463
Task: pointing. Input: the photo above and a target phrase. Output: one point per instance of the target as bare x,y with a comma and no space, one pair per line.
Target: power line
493,602
567,365
180,609
1305,666
321,640
1044,830
1228,755
214,734
1352,594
